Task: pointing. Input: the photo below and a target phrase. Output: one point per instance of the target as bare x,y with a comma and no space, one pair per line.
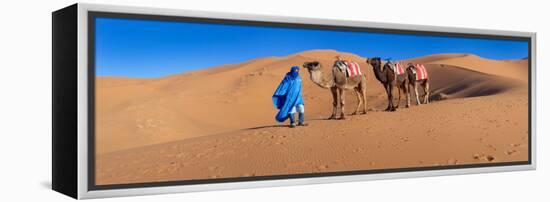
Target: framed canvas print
150,101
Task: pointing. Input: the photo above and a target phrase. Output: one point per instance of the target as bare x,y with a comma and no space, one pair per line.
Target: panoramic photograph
183,101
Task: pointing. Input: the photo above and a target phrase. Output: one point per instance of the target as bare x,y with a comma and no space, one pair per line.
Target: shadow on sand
286,125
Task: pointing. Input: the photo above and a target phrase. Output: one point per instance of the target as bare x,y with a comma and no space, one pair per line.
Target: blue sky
146,48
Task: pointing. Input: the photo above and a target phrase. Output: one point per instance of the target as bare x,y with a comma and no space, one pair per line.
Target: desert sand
219,122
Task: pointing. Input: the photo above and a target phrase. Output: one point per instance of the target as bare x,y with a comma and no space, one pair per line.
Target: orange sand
179,127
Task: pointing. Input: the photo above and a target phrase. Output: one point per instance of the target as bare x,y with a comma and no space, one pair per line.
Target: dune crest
507,69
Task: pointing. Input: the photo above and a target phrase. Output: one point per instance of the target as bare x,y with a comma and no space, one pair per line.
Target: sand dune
182,126
465,82
490,130
436,57
515,69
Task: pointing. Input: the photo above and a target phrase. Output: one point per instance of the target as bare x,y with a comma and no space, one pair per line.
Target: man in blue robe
288,98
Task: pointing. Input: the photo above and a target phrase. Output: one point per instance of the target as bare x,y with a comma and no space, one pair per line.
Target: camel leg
398,97
342,103
400,87
416,93
334,93
359,101
408,94
404,88
388,92
364,94
362,90
391,99
426,92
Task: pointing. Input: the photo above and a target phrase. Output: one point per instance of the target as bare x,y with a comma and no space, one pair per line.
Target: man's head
294,71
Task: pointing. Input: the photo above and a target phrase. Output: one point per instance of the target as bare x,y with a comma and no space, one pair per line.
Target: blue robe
288,95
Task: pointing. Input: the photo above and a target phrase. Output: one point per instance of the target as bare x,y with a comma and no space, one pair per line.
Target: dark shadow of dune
448,82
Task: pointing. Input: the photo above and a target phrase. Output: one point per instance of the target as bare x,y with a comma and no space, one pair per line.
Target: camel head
410,66
316,75
312,66
375,62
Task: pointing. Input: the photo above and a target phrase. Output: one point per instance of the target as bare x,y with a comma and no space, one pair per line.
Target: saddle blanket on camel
352,68
421,72
398,68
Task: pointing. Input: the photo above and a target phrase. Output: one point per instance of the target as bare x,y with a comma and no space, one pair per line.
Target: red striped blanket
353,69
399,69
421,72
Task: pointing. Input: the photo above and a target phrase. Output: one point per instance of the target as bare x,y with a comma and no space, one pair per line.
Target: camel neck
379,74
318,78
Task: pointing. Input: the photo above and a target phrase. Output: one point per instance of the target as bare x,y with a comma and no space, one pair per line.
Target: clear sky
146,48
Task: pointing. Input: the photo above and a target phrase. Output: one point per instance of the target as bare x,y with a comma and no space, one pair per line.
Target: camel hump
399,69
421,72
396,67
341,64
351,68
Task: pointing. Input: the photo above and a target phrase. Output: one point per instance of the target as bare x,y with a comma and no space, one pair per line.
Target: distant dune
515,69
219,122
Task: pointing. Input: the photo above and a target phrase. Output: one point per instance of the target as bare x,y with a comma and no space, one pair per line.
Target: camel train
347,75
392,75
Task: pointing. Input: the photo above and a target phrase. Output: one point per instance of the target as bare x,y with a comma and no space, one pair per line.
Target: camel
389,80
425,83
338,83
